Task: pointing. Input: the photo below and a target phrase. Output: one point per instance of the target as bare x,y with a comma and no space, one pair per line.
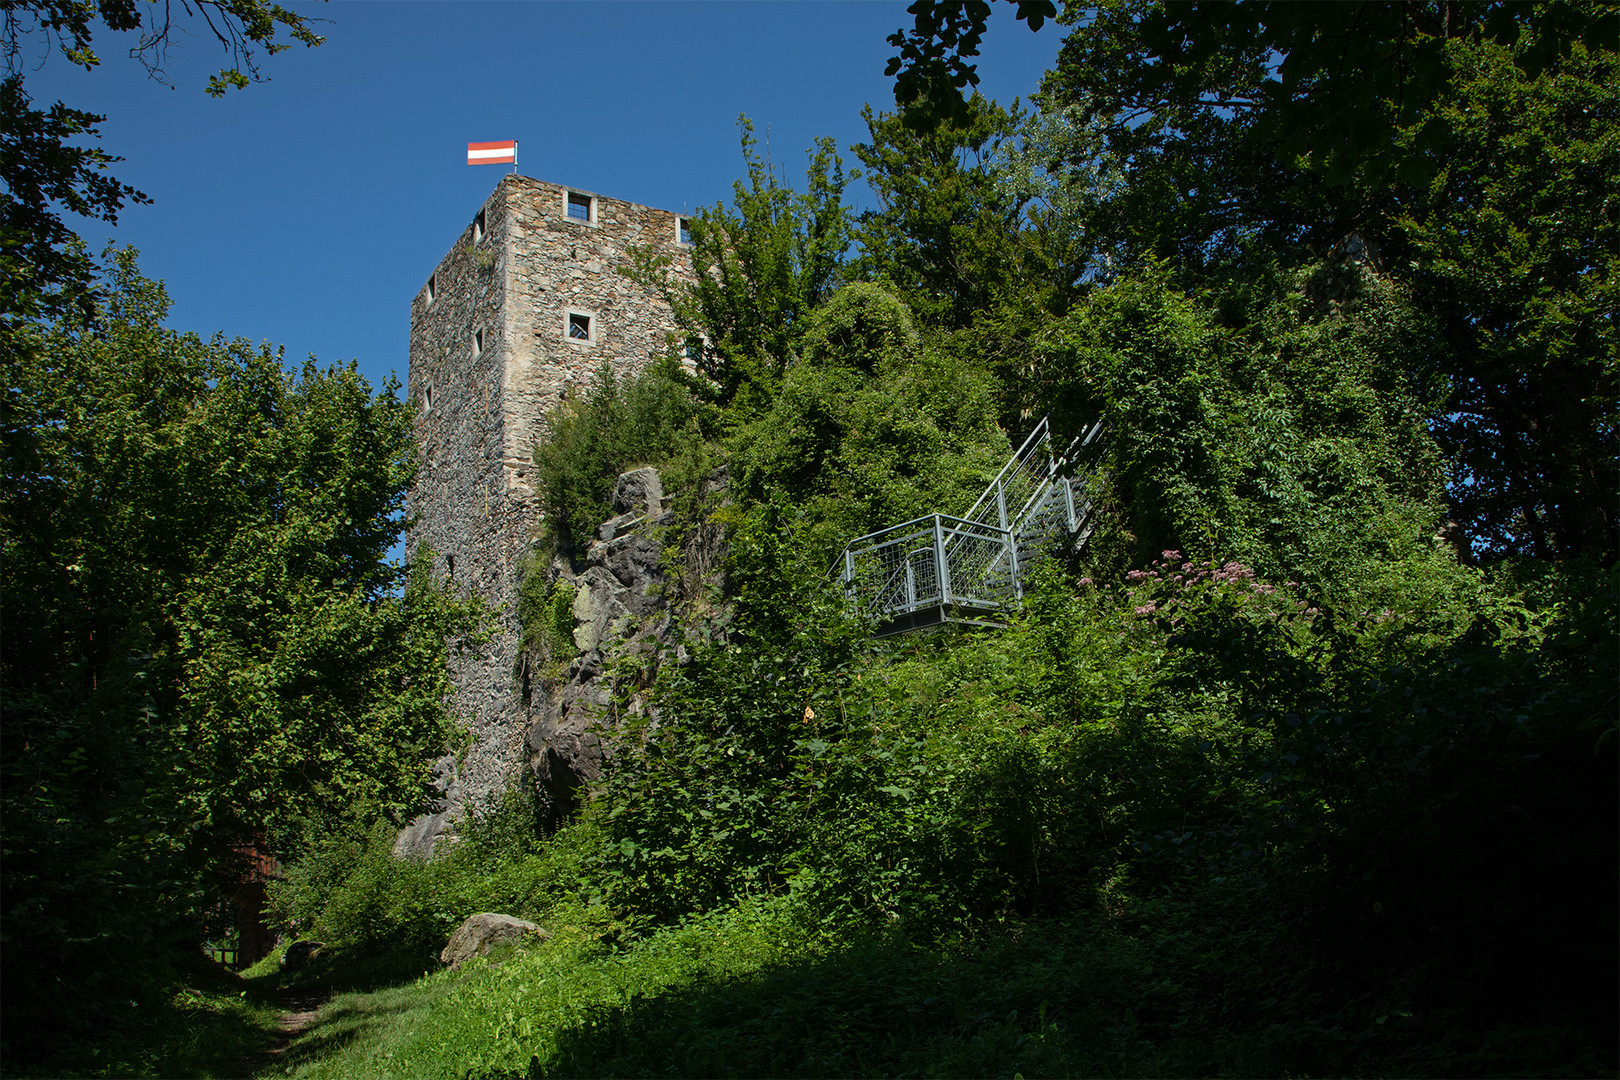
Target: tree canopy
760,266
1467,151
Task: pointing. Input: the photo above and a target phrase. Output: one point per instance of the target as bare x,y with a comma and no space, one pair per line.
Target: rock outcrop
638,577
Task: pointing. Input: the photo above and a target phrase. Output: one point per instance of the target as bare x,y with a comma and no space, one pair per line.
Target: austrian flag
492,153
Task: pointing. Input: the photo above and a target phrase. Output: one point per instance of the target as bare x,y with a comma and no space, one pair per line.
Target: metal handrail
1034,439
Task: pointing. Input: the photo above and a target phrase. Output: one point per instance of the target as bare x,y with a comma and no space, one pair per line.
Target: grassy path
301,1009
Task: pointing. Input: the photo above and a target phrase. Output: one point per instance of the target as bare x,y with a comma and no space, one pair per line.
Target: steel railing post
1012,561
941,568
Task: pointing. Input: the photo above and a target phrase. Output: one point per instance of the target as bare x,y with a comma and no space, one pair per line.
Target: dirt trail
301,1009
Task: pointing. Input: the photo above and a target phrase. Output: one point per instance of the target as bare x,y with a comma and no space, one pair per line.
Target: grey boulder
483,932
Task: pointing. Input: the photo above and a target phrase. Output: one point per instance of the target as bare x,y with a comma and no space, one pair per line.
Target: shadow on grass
368,975
1063,1002
338,971
343,1023
1063,999
197,1019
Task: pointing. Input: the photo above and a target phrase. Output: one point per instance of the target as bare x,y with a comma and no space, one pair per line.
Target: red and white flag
492,153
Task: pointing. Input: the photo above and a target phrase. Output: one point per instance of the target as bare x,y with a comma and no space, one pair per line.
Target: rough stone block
483,932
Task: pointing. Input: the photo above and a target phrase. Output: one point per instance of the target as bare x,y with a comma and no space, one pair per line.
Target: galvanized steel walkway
969,569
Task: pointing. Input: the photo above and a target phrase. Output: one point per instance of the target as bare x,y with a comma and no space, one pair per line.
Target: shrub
351,890
871,429
652,419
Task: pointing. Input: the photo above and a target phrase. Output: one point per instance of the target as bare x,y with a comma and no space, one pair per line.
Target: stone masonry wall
490,354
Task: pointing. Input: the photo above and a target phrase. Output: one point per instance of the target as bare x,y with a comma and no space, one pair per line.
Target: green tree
759,267
1512,247
870,428
1059,172
944,236
1469,150
652,419
931,76
43,270
205,639
1289,440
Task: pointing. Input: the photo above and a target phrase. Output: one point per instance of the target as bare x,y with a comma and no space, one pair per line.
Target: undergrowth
198,1020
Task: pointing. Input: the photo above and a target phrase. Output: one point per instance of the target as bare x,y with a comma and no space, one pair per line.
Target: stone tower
521,312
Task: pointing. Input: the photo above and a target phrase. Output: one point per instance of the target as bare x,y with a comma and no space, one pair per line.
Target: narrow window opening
478,343
579,206
427,399
478,227
579,326
431,290
683,230
451,561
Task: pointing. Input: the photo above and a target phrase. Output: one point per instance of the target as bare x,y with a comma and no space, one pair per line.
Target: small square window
478,343
683,230
431,290
478,227
579,327
579,206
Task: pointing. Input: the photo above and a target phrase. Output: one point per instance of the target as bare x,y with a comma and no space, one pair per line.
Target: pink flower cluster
1234,578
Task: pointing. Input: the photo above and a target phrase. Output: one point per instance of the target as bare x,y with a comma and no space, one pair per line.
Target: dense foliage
205,641
1468,150
943,236
759,267
651,419
1282,433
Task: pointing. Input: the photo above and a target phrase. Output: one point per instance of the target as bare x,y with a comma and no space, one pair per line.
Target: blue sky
308,210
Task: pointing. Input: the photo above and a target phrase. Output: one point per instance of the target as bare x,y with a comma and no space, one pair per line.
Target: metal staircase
969,569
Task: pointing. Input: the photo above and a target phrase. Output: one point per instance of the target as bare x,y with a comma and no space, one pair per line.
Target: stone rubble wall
560,265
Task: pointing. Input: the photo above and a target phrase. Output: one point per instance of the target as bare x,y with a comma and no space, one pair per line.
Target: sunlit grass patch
758,990
493,1016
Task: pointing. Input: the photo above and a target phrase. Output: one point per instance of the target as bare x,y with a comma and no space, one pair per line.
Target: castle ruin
520,314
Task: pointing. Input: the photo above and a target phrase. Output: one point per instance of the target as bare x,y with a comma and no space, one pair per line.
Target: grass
493,1015
760,990
754,991
766,989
